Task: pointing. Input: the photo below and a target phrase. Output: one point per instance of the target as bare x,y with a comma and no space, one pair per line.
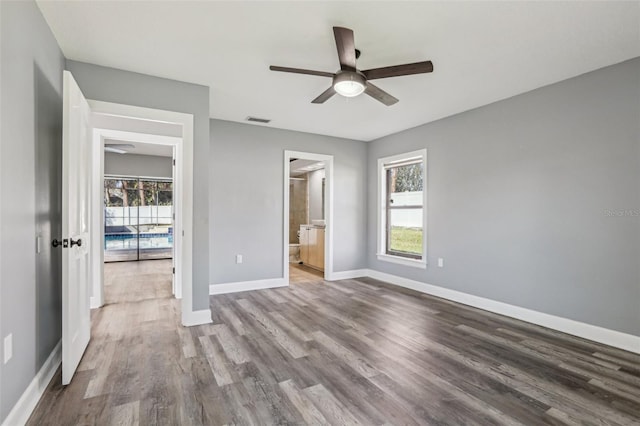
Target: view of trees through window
133,192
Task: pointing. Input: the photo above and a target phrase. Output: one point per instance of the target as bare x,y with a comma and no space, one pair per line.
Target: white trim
415,263
183,190
328,210
197,318
381,209
602,335
347,275
21,412
96,218
246,286
93,302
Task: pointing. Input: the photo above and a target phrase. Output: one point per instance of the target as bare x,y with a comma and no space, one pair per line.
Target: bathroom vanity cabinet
312,246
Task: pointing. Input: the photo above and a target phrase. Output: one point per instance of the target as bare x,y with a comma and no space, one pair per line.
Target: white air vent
258,120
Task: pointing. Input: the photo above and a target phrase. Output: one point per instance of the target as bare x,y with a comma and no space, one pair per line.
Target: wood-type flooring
351,352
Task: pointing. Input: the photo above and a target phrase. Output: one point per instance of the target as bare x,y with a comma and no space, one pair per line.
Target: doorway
308,213
137,124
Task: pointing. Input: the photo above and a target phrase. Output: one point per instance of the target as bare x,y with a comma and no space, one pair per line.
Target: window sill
403,261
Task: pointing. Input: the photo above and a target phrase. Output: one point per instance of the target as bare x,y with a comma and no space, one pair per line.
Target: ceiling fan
118,148
349,81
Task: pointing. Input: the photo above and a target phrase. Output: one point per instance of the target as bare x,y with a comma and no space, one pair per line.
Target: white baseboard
20,412
246,286
606,336
93,303
196,317
347,275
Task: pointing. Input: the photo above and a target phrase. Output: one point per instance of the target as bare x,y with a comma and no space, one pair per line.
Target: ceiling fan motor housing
349,83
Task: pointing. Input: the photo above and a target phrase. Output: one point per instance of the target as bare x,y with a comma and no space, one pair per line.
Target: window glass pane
405,185
405,232
165,186
406,178
408,198
165,198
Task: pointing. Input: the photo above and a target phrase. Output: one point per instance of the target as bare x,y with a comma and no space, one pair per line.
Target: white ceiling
482,52
140,148
300,166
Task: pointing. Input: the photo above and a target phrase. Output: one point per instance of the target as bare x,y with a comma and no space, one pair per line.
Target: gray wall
113,85
30,177
138,165
247,172
519,194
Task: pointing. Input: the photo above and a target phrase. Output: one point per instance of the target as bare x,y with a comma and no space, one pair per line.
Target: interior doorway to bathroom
308,252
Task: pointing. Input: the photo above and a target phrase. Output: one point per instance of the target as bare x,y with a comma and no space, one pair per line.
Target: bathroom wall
315,194
298,207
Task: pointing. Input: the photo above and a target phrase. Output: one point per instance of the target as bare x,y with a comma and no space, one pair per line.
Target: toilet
294,253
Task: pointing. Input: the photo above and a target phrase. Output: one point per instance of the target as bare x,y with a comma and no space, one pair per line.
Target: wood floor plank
330,406
125,414
283,339
355,361
217,361
308,411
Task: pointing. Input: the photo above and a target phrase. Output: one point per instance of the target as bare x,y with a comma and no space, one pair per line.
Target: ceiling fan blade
324,96
377,93
301,71
346,48
398,70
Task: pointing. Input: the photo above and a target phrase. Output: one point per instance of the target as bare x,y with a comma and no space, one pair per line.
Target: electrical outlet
8,347
440,262
238,258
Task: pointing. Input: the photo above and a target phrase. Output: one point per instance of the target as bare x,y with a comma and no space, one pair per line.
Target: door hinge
174,161
174,271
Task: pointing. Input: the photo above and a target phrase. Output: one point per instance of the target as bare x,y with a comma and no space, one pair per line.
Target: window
138,219
402,208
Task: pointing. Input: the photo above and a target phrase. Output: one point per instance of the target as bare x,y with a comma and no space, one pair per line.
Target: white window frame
420,155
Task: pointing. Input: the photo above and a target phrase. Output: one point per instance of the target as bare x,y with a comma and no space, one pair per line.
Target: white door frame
328,210
183,192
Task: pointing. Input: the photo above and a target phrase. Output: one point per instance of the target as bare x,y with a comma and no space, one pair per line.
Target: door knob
77,242
55,243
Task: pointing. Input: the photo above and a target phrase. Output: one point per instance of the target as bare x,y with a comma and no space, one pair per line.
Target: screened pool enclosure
138,219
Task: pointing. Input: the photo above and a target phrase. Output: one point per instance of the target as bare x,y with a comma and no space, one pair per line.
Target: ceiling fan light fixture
349,84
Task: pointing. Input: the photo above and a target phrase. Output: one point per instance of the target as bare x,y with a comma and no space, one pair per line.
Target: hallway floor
136,281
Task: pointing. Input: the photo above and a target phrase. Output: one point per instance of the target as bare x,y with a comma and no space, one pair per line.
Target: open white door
76,320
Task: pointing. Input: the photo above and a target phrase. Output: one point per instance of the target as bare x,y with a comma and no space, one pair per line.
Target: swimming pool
130,241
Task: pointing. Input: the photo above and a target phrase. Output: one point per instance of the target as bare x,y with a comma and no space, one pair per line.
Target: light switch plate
238,258
440,262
